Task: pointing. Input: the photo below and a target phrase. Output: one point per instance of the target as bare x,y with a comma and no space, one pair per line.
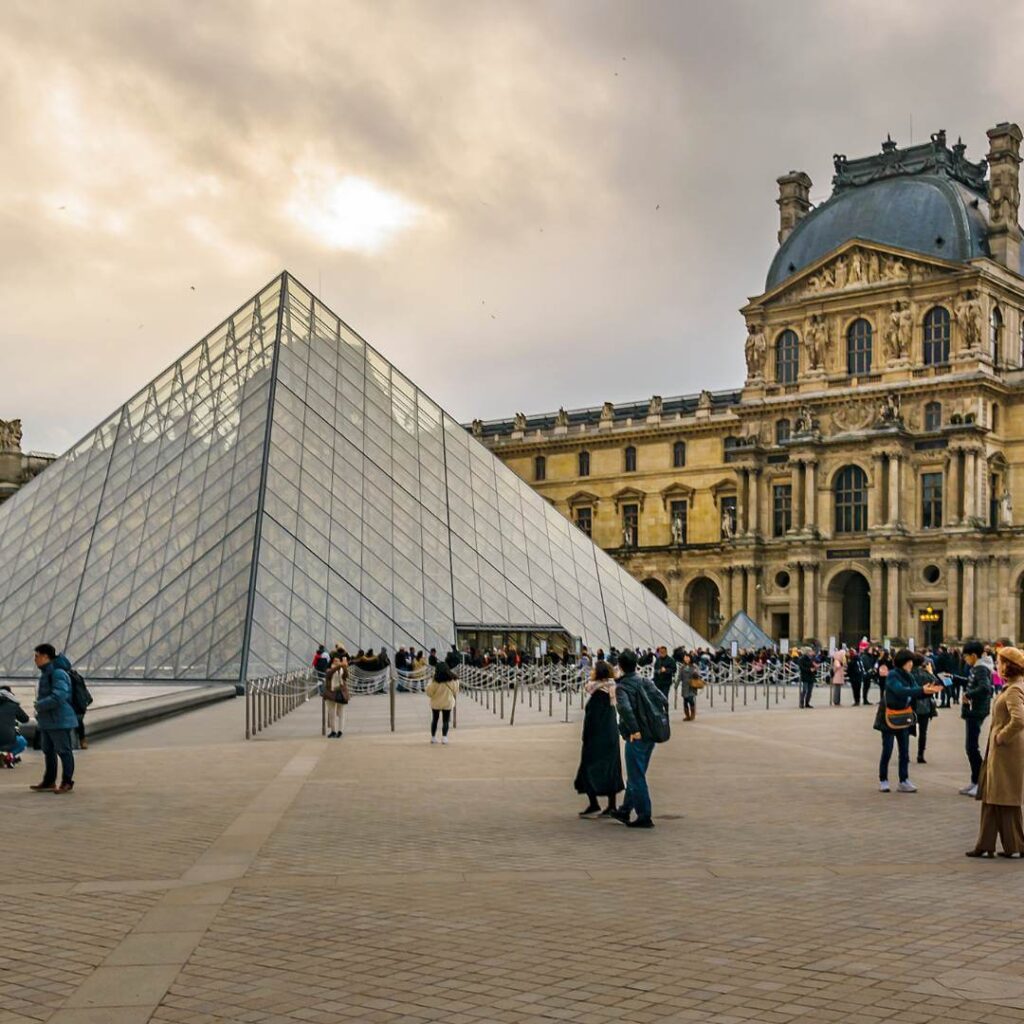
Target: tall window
630,459
728,517
679,455
787,357
936,336
630,526
931,501
858,348
994,418
851,500
678,522
782,509
540,468
932,415
585,520
584,463
782,431
995,334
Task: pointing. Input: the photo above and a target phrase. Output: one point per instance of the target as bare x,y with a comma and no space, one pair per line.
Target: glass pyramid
746,632
282,485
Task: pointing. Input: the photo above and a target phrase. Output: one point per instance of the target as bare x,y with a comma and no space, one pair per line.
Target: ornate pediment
628,496
676,492
858,265
581,499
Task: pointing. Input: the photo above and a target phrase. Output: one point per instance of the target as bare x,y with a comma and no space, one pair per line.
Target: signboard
831,645
886,644
784,646
735,648
848,553
910,644
543,647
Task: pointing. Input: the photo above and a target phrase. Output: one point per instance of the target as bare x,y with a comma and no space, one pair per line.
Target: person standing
664,671
635,730
901,690
56,719
854,672
924,706
442,691
688,674
1001,782
336,697
838,674
806,665
975,705
600,770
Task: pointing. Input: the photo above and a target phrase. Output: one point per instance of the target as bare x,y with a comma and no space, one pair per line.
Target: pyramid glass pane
282,485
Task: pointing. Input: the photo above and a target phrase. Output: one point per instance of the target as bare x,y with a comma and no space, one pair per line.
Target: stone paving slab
380,878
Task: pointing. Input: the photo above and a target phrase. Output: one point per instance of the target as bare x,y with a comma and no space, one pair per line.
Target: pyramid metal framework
282,485
745,631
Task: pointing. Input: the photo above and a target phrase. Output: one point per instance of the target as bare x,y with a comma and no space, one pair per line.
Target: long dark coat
600,768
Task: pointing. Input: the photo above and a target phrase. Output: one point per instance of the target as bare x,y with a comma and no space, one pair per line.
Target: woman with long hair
1001,782
600,770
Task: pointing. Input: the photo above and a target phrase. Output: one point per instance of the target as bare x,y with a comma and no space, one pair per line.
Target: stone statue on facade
841,273
677,530
562,418
805,422
889,410
816,341
627,535
968,317
898,332
519,421
705,400
607,413
894,269
756,350
655,406
10,435
728,525
1005,509
478,428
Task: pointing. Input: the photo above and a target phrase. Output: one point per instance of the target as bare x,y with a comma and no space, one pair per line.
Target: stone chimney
1004,235
794,201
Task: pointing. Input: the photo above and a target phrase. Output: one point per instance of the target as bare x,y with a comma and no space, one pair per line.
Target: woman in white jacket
442,691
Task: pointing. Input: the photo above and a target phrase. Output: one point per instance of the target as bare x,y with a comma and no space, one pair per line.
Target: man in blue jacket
56,719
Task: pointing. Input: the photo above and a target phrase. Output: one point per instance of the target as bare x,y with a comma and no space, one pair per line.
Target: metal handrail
270,698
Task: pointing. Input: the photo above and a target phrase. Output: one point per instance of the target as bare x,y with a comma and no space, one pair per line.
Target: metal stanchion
515,699
391,699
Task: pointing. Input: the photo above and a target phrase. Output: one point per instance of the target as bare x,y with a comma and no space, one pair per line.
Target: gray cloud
597,179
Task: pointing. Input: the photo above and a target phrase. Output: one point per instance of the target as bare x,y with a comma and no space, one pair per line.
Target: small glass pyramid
282,485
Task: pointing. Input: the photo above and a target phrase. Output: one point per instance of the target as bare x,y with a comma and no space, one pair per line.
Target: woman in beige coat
442,691
1001,784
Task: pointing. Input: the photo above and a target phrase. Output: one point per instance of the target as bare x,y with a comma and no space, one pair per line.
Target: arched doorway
657,588
849,597
704,603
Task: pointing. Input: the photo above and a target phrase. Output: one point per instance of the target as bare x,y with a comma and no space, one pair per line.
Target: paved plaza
193,877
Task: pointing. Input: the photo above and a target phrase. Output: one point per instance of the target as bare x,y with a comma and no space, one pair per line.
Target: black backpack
81,698
652,712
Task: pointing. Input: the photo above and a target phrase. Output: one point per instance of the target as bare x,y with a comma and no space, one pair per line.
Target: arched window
540,468
630,459
782,431
679,455
851,500
995,334
787,357
584,463
936,336
858,348
933,416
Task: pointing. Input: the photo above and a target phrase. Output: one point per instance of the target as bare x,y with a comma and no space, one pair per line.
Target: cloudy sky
522,204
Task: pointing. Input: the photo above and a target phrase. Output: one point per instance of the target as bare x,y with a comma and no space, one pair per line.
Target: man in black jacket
807,669
664,671
639,742
977,702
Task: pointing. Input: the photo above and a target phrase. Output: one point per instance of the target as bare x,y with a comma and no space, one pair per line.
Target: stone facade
864,479
16,468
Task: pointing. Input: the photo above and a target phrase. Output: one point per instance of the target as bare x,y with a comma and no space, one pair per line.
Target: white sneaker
971,790
433,739
906,787
883,787
444,740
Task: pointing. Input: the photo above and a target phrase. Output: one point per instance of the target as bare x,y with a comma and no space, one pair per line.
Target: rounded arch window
936,336
679,454
540,468
995,334
858,348
787,357
850,493
630,459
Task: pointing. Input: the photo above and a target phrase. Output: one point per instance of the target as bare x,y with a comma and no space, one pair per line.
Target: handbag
696,683
904,718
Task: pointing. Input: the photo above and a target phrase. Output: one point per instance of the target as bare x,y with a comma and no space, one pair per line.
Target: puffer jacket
978,690
11,712
53,696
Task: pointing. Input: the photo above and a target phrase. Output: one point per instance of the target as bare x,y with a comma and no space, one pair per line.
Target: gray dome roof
911,213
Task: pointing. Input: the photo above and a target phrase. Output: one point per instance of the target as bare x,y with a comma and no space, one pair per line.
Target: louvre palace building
864,478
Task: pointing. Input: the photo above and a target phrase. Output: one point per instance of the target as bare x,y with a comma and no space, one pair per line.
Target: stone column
894,489
811,495
726,598
951,500
1004,599
970,482
798,496
810,595
755,503
951,621
981,489
741,502
892,597
970,611
877,567
875,491
738,590
752,603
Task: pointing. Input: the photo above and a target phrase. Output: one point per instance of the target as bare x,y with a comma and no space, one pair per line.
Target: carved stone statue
856,267
519,421
805,422
728,525
906,331
756,349
969,319
10,435
1005,509
704,402
894,269
478,428
816,341
889,410
677,530
842,273
898,331
607,412
873,267
655,406
562,419
851,415
627,535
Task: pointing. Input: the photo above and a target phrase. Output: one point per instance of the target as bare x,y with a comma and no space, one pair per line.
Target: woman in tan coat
442,691
1001,784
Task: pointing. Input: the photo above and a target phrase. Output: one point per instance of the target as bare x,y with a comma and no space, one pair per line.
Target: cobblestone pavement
195,878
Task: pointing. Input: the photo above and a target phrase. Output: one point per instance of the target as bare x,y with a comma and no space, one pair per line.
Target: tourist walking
805,663
55,718
321,662
12,743
838,674
975,704
600,770
664,671
895,718
924,707
1001,782
690,683
637,699
855,673
336,697
442,691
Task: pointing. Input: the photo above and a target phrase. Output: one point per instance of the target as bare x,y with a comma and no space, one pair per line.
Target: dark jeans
57,743
434,715
806,689
855,687
638,796
972,730
922,735
901,738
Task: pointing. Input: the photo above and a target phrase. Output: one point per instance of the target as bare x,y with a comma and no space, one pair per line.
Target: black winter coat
11,712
